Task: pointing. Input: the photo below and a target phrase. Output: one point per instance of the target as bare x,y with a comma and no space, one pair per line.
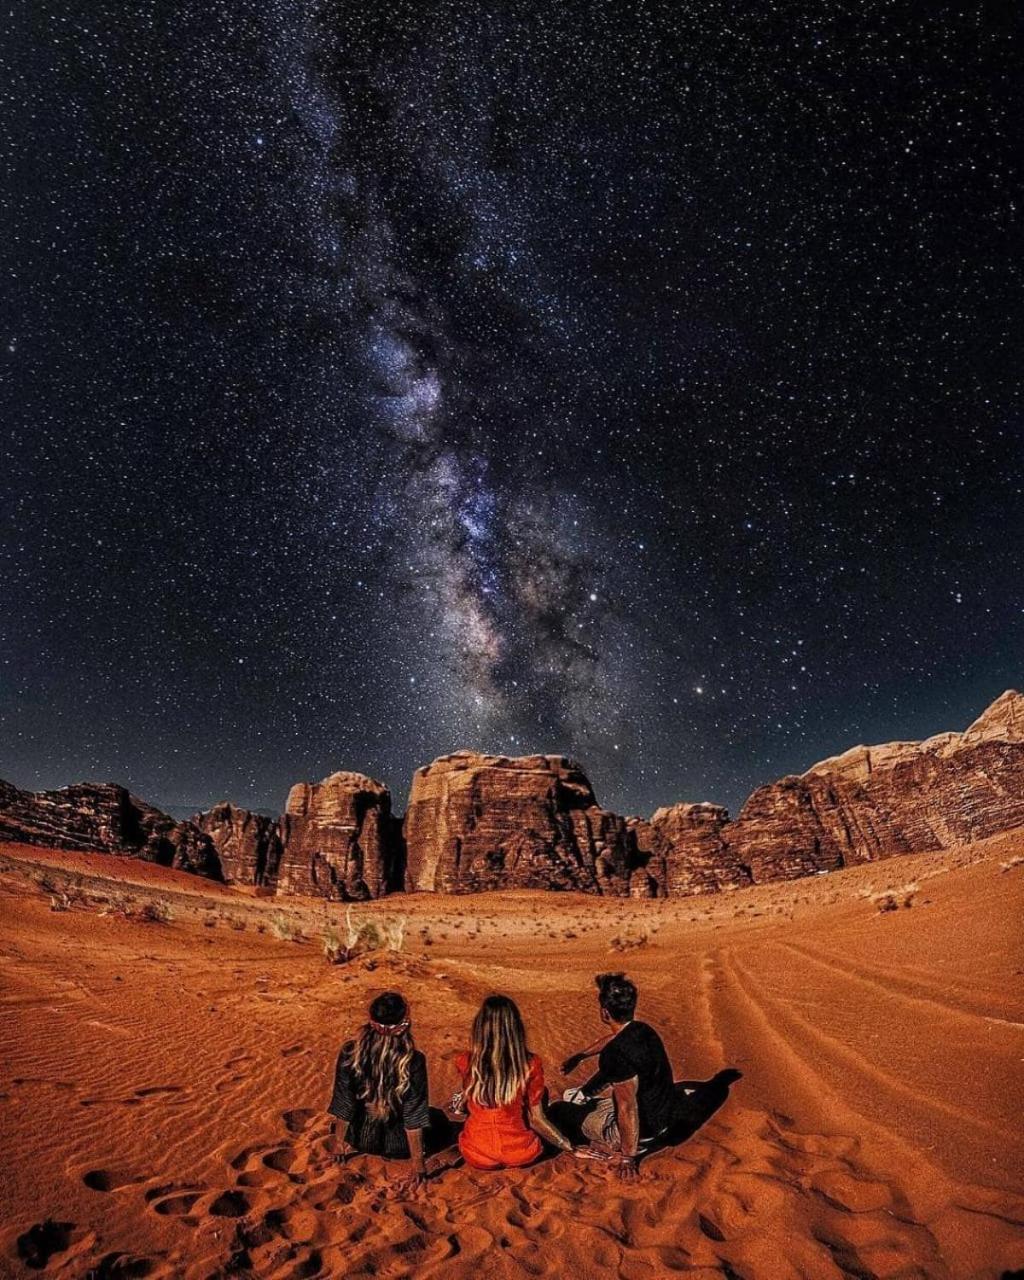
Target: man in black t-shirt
633,1083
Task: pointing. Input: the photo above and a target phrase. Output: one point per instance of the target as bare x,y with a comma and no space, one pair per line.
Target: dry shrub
1011,863
155,913
627,941
384,933
285,929
894,899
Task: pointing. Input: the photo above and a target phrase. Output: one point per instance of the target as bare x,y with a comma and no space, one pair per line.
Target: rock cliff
107,818
336,839
248,844
901,797
339,840
686,850
479,822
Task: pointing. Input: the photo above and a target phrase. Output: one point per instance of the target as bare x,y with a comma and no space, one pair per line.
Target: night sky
635,381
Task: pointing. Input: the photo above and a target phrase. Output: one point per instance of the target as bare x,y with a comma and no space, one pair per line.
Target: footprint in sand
44,1240
280,1159
710,1228
173,1201
122,1266
347,1188
297,1225
297,1120
310,1266
231,1204
245,1157
853,1195
108,1180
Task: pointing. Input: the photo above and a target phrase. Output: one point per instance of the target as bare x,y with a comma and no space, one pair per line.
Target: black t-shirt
637,1051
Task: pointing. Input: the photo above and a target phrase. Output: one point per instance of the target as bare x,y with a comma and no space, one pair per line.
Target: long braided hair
382,1055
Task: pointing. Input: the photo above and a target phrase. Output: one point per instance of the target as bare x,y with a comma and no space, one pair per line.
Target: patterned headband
389,1029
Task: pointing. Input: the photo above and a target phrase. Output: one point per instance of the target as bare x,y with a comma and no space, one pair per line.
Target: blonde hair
499,1060
381,1059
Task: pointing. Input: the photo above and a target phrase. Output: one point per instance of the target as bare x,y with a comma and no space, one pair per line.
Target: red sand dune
164,1080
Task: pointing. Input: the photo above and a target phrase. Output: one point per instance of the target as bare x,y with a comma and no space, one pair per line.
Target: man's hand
570,1064
628,1169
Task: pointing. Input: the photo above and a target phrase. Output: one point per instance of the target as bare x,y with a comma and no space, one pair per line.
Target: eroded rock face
339,840
106,818
248,844
689,850
901,797
479,822
336,839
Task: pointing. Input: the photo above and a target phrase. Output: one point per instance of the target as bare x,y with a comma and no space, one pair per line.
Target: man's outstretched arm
571,1063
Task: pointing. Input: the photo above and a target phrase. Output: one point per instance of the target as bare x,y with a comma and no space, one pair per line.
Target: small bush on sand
383,933
285,929
155,913
1011,863
894,899
627,941
334,949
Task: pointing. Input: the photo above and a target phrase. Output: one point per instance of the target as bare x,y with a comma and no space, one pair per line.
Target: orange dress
500,1137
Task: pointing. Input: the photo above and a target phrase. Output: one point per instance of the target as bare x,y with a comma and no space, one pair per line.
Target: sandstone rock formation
106,818
479,822
686,851
901,797
336,839
339,840
248,844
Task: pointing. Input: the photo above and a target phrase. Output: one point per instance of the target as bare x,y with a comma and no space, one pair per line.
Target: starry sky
638,381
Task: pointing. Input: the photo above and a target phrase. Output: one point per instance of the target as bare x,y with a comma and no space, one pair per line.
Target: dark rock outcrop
478,822
336,839
686,850
339,840
901,797
248,844
106,818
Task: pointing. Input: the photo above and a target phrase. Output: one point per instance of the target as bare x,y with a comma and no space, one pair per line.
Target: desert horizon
853,1055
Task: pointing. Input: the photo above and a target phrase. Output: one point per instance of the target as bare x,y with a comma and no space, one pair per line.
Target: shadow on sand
696,1102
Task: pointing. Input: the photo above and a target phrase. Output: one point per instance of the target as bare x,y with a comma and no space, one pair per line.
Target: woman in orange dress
503,1093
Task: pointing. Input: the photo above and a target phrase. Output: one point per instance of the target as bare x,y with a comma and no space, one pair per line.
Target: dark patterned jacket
365,1132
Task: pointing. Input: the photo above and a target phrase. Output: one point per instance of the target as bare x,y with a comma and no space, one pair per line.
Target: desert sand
168,1046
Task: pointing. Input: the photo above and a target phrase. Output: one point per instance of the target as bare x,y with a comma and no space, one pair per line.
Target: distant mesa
104,817
480,822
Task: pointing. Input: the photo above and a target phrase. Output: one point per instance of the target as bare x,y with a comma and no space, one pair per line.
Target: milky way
633,381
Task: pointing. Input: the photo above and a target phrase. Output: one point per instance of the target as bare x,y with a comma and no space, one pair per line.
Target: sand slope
164,1081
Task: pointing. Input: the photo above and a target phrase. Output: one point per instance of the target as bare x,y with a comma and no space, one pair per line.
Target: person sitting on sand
635,1100
380,1091
503,1092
